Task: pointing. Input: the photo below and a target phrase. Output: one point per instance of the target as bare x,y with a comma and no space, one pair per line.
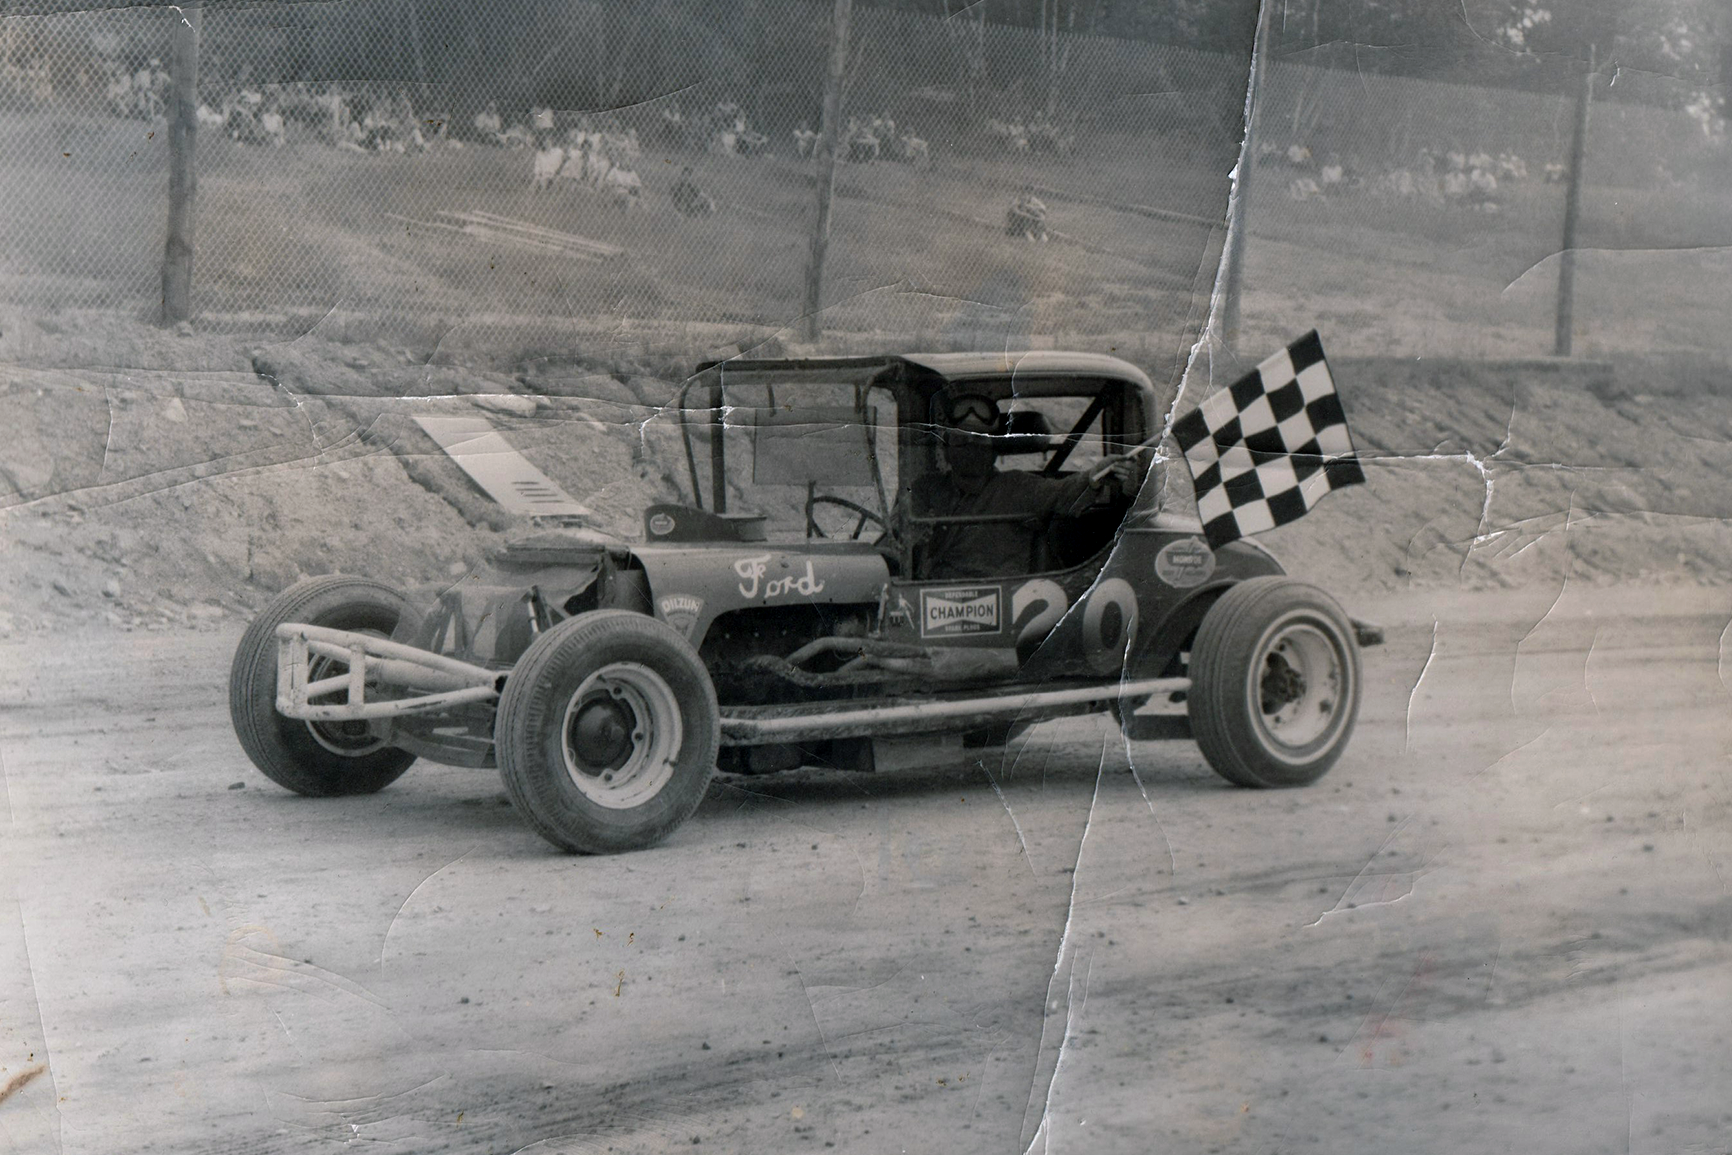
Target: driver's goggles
981,409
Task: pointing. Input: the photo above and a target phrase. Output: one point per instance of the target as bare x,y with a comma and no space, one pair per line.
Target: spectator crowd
1454,177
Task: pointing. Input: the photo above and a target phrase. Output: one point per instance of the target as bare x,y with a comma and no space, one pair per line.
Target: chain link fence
621,164
1427,217
648,168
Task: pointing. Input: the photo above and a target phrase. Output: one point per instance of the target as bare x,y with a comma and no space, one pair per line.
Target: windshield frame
704,419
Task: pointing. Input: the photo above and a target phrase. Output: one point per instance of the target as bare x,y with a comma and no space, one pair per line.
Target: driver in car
972,485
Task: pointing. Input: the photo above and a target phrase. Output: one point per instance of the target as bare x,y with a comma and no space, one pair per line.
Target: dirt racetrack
1501,923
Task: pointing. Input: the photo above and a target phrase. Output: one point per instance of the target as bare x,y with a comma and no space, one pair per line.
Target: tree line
613,53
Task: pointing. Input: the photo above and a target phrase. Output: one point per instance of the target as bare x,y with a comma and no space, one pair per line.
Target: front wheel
607,732
318,759
1274,683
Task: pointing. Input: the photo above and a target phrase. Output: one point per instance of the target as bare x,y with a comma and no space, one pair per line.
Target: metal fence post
1233,274
182,171
1572,217
829,130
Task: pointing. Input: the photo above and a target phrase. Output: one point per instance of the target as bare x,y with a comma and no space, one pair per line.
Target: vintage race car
608,680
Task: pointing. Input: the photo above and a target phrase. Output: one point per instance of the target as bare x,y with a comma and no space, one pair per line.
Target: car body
811,628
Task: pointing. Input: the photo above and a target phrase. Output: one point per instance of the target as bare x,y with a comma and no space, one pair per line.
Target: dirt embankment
1508,473
160,498
153,499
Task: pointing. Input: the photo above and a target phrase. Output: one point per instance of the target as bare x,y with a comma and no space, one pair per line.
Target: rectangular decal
963,610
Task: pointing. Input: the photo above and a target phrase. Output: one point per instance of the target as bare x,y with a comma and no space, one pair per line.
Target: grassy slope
922,256
311,228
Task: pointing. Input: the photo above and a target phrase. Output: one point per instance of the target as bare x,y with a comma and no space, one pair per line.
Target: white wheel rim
621,735
1298,687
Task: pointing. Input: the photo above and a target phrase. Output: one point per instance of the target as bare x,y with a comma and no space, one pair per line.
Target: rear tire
1274,683
317,759
607,732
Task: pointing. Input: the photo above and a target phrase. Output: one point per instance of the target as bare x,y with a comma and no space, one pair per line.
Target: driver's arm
1123,474
1071,496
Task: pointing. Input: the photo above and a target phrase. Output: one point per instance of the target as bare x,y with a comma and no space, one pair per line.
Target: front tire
317,759
1274,683
607,732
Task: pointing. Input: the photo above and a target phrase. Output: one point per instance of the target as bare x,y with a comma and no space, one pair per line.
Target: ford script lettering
751,572
806,585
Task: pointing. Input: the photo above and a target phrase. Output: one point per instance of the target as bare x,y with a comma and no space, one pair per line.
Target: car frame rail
763,725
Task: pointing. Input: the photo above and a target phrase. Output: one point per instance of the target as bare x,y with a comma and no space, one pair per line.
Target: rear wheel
607,732
318,759
1274,683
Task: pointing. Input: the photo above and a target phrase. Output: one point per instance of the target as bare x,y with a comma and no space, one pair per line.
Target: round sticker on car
1185,563
661,524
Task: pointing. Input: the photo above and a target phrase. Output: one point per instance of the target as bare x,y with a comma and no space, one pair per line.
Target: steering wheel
814,530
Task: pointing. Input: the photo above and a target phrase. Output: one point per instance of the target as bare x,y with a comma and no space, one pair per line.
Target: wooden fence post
1566,321
829,131
182,169
1233,274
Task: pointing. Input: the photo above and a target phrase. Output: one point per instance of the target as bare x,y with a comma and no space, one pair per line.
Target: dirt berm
153,499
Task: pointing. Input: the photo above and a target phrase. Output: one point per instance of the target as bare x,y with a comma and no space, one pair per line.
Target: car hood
691,585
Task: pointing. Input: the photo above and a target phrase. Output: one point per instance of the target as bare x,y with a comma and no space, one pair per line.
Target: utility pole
829,131
182,169
1233,274
1572,216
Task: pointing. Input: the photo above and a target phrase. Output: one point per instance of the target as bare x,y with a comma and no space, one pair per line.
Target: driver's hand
1122,470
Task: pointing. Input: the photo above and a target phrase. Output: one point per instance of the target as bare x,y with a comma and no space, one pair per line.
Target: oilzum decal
681,611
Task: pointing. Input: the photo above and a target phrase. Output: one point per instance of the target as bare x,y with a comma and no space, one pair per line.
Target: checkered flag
1265,450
